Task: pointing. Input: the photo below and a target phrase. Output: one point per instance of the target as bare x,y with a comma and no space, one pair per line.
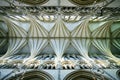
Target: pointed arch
59,45
102,31
15,45
103,45
59,29
14,30
36,46
82,30
36,30
82,45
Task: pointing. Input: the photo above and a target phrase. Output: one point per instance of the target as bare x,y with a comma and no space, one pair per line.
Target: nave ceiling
63,31
58,39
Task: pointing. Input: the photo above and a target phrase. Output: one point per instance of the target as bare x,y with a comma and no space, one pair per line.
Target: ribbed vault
116,42
104,44
82,30
14,30
15,45
37,37
59,29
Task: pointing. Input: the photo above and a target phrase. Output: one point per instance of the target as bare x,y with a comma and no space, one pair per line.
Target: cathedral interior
59,39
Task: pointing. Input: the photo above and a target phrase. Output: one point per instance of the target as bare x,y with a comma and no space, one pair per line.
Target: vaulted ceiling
60,30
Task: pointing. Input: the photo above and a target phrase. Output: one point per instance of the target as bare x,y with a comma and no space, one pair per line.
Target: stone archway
85,75
32,75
